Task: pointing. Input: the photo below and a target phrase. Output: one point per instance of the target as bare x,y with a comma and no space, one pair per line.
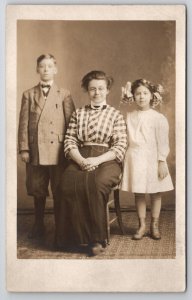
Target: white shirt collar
100,104
47,82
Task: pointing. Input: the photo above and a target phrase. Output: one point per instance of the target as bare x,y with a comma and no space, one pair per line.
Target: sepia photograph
96,137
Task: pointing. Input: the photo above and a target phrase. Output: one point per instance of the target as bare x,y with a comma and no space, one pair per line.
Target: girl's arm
162,138
162,169
162,146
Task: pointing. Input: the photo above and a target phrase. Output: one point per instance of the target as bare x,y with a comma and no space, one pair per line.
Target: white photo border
89,275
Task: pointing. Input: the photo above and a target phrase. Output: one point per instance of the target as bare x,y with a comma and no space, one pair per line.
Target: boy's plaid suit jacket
43,123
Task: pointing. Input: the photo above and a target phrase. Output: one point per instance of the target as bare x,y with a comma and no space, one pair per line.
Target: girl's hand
25,156
162,170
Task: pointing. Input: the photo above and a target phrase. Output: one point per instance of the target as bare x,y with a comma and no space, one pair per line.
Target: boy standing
44,116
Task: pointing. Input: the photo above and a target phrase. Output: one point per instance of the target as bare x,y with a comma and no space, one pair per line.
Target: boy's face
47,69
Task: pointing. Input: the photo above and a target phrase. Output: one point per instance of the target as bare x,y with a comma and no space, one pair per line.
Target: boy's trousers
38,178
37,182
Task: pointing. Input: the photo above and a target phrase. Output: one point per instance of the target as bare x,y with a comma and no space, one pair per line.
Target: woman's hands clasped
89,164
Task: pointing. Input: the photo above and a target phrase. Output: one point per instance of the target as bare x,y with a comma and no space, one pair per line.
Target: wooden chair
117,209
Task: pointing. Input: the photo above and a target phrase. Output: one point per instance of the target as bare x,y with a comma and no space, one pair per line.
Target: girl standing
145,167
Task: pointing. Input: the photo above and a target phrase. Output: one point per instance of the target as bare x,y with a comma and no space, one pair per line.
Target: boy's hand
25,156
162,170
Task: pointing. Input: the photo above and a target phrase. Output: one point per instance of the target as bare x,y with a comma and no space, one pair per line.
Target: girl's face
47,69
97,91
143,96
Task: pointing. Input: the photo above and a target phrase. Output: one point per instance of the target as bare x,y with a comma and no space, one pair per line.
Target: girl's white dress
148,142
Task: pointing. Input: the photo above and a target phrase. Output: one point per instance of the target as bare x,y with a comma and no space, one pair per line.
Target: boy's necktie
45,89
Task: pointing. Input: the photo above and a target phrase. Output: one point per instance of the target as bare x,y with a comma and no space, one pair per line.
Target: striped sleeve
71,141
119,138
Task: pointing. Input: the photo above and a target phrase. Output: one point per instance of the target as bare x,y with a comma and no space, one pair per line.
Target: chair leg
107,223
118,211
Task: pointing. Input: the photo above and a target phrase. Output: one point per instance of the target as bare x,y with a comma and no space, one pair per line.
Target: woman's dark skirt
83,198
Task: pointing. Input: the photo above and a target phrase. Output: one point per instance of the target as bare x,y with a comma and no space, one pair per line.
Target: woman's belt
95,144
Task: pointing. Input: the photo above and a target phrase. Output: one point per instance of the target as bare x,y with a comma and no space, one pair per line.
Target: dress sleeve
23,137
71,140
119,138
162,138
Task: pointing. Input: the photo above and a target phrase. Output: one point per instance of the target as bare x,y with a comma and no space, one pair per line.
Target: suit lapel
53,94
38,96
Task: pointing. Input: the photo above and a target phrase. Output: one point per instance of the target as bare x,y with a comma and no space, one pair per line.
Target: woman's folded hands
89,164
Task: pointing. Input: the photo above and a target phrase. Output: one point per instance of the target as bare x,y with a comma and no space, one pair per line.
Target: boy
44,116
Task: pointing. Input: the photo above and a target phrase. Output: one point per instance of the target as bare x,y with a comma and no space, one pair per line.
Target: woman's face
97,91
143,96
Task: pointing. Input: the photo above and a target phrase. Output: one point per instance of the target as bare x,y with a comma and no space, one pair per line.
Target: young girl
145,167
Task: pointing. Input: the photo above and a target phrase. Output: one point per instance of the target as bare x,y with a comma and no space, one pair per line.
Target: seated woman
95,143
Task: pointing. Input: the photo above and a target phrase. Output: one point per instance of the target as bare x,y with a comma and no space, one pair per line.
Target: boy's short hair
43,56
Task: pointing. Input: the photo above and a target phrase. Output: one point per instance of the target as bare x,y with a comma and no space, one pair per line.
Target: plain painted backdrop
126,50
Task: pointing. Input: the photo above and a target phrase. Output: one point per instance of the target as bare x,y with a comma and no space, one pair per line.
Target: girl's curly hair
156,91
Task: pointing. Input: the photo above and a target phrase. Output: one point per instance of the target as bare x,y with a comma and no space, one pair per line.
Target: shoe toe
96,249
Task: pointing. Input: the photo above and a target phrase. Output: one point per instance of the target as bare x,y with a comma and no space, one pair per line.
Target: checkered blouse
102,125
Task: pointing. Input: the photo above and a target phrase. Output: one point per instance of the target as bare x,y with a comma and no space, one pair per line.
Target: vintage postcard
95,148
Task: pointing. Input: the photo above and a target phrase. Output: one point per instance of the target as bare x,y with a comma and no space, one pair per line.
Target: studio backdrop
125,50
